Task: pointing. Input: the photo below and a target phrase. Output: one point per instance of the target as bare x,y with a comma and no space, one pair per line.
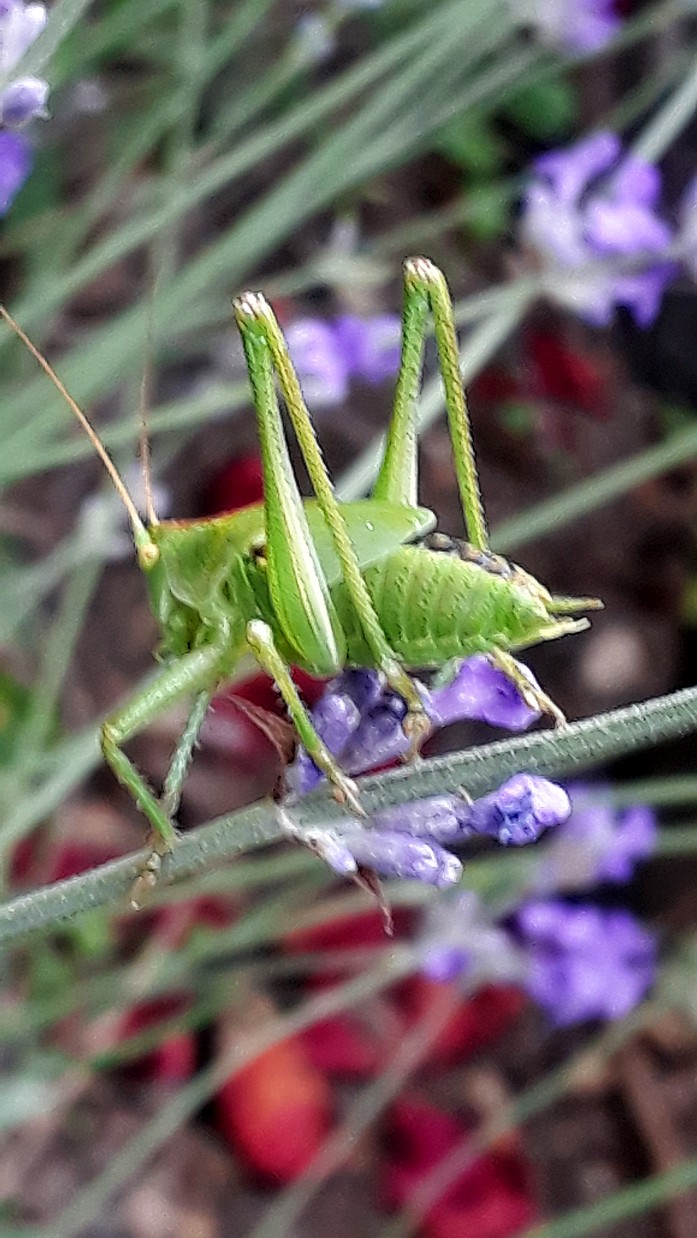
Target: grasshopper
321,584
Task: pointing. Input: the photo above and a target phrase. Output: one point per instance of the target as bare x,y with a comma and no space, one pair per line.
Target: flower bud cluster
361,724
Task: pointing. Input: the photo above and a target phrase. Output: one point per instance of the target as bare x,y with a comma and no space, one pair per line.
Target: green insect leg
397,481
261,642
258,326
424,287
192,673
531,694
181,757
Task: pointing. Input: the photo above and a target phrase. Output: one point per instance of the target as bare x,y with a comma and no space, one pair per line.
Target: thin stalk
576,746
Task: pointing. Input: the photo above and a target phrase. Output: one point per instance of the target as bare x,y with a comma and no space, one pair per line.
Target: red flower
172,1061
490,1199
237,484
276,1112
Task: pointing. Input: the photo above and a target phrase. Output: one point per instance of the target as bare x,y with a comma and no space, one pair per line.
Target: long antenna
145,393
148,553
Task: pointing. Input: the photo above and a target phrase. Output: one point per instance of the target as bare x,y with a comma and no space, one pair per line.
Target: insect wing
375,528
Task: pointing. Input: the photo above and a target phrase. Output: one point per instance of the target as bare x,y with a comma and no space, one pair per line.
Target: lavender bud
379,738
399,855
23,101
520,810
443,818
335,717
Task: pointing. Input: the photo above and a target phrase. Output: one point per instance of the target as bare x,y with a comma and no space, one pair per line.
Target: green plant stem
577,746
589,495
131,1161
533,1101
634,1200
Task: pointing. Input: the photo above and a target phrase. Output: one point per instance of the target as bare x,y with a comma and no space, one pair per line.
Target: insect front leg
261,642
195,672
296,582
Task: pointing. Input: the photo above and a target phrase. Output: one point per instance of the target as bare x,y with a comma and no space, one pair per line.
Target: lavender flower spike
591,207
597,843
571,25
520,810
478,691
389,854
583,962
459,939
25,98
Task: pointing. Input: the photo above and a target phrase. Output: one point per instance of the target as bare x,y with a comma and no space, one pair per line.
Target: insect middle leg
261,642
196,672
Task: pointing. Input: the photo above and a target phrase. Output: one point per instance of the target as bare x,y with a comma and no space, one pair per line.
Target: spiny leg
266,350
182,755
261,642
424,287
531,693
194,672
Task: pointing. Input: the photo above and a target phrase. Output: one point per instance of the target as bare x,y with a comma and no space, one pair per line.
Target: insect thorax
205,587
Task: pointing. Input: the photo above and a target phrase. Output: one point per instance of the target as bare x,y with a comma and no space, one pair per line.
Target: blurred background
252,1055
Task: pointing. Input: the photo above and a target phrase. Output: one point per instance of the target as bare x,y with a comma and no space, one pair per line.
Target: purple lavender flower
590,203
387,854
517,813
326,355
458,938
15,165
370,346
23,99
520,810
597,843
584,962
444,818
335,717
480,691
361,723
477,692
573,25
322,368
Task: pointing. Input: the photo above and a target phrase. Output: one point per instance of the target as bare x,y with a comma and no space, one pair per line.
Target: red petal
276,1112
476,1022
235,485
564,374
339,1046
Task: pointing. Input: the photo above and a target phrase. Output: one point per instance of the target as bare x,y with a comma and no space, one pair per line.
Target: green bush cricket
322,584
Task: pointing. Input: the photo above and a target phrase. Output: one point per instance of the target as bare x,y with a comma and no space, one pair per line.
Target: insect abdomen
434,607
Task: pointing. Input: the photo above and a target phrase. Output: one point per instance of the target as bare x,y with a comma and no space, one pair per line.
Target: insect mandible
321,584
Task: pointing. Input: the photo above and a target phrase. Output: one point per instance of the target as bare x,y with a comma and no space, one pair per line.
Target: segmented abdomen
434,607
